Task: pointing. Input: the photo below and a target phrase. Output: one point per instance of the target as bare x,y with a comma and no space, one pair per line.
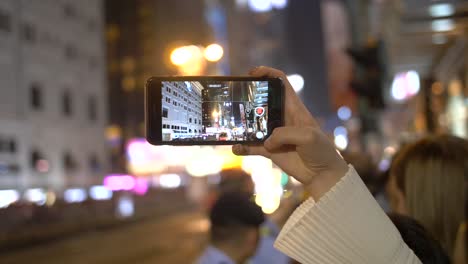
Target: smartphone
212,110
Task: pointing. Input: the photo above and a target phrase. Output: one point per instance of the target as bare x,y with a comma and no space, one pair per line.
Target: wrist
324,181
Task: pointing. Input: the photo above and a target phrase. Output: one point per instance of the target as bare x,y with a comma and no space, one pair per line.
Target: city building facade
182,108
53,94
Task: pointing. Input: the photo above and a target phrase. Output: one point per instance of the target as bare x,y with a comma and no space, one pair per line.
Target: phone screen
213,111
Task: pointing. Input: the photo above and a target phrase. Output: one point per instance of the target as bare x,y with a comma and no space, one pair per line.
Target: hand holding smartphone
212,110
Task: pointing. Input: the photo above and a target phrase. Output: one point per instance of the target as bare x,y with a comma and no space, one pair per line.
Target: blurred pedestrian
237,180
428,250
235,230
428,182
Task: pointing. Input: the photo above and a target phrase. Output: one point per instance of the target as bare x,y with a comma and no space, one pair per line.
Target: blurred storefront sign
145,159
165,163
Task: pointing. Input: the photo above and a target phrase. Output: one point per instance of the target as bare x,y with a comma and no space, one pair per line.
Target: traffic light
368,80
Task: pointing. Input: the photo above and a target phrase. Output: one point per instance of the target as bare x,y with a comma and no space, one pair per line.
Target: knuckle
310,134
270,143
282,75
276,131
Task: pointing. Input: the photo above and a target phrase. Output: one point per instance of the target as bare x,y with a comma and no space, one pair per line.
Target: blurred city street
174,239
80,183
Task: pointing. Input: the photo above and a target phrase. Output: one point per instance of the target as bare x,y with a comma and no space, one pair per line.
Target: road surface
173,239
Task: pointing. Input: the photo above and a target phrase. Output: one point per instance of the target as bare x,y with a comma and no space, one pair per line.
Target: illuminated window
5,21
112,33
36,96
128,83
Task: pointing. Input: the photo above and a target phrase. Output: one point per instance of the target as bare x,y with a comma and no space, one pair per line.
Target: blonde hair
432,174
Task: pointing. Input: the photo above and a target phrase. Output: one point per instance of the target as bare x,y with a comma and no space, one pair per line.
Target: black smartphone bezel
153,104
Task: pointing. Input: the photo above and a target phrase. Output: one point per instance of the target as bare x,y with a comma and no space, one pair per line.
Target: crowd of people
341,221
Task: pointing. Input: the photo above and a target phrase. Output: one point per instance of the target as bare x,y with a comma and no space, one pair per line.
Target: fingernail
237,149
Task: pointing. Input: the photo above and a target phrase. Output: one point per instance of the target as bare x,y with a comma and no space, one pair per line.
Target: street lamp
213,52
188,59
180,56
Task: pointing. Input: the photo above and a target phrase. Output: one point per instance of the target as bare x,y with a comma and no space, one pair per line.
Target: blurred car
210,138
223,136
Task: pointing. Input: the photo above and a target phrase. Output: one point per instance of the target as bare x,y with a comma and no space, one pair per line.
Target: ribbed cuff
345,226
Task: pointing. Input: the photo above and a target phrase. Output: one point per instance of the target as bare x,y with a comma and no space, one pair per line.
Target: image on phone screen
214,110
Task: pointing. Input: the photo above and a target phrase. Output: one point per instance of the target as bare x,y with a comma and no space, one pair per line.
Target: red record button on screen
259,111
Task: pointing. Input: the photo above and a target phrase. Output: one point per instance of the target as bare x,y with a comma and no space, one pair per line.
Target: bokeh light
8,197
260,5
75,195
213,52
35,195
340,130
170,181
344,113
180,56
441,10
341,142
405,85
100,192
297,82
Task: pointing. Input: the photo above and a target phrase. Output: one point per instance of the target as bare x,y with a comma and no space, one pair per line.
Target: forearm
345,226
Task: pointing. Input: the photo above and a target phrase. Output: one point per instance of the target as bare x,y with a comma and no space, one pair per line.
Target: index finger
263,71
293,104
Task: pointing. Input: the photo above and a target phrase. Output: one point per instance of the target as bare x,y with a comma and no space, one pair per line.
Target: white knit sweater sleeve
345,226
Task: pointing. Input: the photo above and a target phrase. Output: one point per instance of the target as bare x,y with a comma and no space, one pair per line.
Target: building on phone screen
181,110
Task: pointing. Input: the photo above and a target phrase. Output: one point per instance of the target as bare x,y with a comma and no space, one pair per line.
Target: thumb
245,150
282,136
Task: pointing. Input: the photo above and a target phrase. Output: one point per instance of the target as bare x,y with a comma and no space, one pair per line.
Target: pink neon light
137,150
119,182
141,186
